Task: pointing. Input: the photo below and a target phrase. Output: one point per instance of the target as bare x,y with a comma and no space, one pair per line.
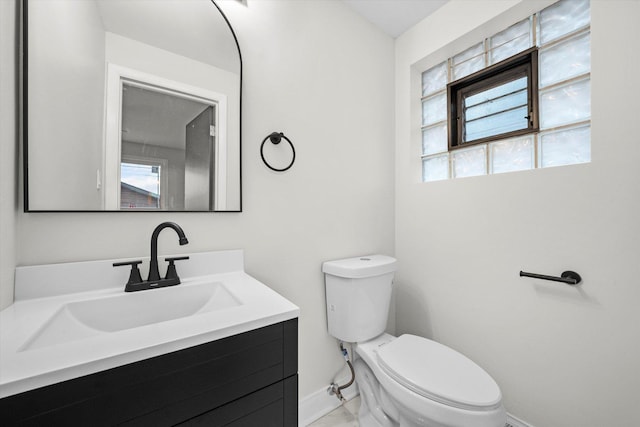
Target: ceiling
395,17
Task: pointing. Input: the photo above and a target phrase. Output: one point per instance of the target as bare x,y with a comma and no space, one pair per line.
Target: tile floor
343,416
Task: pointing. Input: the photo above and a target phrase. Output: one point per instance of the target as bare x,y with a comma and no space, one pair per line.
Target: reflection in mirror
131,105
174,133
163,133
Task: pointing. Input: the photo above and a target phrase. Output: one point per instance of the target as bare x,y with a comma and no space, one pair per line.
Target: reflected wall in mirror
131,105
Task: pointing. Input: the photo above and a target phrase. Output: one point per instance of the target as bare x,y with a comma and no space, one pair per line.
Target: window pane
434,79
472,52
562,18
504,97
500,123
514,39
468,62
470,162
434,139
501,109
507,102
434,109
565,147
435,168
566,104
565,60
512,155
496,92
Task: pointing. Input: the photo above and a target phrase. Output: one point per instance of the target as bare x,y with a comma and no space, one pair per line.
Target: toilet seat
438,373
414,408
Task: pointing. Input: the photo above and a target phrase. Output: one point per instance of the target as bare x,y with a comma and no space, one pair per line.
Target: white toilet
408,380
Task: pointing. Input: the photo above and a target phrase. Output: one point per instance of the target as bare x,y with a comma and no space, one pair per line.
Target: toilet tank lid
362,266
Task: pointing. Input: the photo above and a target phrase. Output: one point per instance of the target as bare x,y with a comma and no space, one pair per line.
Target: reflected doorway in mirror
155,119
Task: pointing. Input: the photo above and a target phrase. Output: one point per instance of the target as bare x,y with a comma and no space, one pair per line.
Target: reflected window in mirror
140,186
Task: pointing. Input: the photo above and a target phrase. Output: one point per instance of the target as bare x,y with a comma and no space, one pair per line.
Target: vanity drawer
269,407
176,387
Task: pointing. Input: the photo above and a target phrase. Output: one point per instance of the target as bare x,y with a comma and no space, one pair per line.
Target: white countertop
22,370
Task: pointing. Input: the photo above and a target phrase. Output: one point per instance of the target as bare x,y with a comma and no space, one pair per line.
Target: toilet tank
358,296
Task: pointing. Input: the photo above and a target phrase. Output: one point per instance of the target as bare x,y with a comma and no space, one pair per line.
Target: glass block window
470,161
565,60
511,155
511,41
434,109
468,62
565,146
561,136
435,161
435,79
434,139
563,18
565,104
435,168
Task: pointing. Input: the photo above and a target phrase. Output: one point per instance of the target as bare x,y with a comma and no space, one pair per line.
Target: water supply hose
335,388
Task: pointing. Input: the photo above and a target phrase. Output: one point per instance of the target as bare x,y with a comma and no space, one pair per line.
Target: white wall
563,356
8,149
324,76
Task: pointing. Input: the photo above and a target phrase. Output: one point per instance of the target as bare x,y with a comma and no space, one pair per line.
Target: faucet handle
171,269
134,275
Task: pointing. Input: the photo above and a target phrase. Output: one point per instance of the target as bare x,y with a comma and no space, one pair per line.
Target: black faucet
154,274
136,283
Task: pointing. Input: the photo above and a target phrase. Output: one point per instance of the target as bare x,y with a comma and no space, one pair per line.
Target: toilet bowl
420,382
407,381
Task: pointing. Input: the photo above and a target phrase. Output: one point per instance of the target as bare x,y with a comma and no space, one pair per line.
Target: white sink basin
82,319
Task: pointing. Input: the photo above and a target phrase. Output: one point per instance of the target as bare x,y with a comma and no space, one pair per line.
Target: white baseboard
516,422
320,403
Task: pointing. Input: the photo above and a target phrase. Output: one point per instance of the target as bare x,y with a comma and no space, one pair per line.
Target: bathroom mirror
130,105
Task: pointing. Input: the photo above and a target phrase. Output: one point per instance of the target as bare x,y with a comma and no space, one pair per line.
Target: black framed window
498,102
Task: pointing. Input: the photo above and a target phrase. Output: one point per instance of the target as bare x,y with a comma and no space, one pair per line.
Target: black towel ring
275,138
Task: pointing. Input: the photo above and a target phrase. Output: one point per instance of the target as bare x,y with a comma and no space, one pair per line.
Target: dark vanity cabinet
248,379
